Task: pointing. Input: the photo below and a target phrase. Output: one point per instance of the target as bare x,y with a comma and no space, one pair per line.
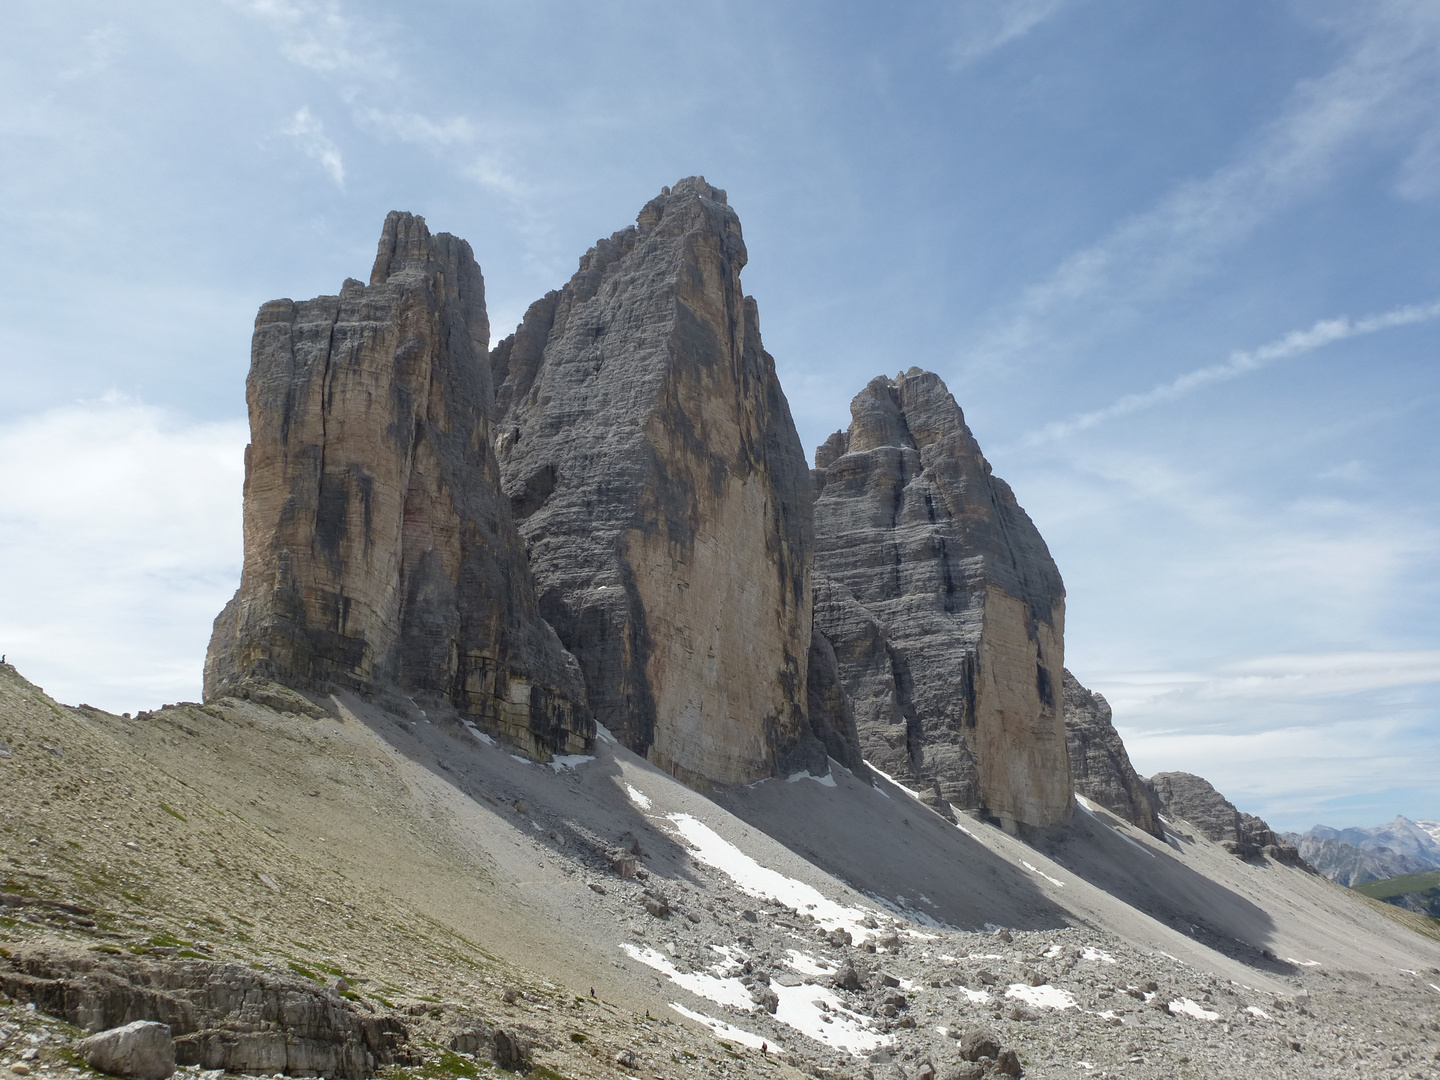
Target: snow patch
749,876
1036,870
569,761
522,760
881,772
603,734
1255,1010
804,963
1092,953
1191,1008
804,774
639,798
729,992
480,736
1302,963
804,1007
1042,997
976,997
720,1027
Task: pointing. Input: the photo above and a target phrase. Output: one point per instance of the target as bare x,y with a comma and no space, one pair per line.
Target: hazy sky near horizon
1177,262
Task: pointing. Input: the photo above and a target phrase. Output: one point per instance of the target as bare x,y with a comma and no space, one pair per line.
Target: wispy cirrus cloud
320,36
1386,88
309,133
1241,362
988,25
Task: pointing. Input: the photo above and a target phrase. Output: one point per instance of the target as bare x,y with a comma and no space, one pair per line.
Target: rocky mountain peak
943,606
650,457
379,550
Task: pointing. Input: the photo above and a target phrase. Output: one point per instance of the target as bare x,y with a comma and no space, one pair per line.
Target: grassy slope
1399,886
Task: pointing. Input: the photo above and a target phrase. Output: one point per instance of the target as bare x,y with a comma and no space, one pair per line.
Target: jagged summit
943,605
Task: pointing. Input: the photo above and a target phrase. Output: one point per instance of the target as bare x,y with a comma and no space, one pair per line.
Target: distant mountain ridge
1355,855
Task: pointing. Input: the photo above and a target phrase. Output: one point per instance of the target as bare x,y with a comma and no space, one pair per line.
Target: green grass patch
303,972
1399,886
173,812
578,1036
544,1073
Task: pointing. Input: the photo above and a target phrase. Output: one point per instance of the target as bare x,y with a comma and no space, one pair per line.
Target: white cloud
1241,362
1384,89
1284,736
987,25
321,37
119,543
307,130
412,127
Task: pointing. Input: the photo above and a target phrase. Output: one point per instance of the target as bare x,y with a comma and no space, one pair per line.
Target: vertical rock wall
652,464
944,608
1099,765
379,549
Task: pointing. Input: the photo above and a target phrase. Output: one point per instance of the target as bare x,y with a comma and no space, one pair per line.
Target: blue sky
1177,262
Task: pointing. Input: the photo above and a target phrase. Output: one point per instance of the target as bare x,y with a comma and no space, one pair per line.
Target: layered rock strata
1099,766
222,1016
379,549
943,606
652,464
1193,799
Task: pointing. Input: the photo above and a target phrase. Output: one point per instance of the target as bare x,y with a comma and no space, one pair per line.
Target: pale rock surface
142,1049
379,550
944,608
656,475
1099,765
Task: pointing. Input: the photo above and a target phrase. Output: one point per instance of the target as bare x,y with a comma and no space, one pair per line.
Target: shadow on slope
883,843
1154,881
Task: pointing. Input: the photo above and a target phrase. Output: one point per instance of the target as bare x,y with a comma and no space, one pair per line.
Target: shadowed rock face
944,608
379,549
651,461
1099,765
1194,799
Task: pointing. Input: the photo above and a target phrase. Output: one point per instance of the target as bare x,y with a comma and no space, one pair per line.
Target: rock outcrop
1194,799
379,550
653,467
1099,766
943,606
221,1016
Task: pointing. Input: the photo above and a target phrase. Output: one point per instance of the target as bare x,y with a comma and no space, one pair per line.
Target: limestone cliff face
1099,765
658,480
944,608
379,548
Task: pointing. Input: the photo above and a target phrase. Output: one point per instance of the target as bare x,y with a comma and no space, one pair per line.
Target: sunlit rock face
944,608
657,477
380,551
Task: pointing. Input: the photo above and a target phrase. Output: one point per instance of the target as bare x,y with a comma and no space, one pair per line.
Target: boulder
975,1043
943,607
379,549
511,1052
142,1049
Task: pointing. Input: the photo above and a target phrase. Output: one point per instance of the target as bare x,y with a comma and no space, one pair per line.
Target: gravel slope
435,870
